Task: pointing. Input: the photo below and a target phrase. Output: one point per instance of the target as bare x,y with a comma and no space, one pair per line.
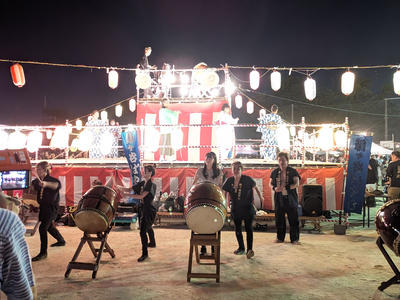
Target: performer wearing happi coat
226,133
269,132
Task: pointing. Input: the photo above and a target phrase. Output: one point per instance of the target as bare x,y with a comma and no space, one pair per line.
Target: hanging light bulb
104,116
78,124
263,112
3,140
348,82
34,141
250,107
396,82
118,110
254,79
275,80
49,134
132,105
310,89
113,79
238,101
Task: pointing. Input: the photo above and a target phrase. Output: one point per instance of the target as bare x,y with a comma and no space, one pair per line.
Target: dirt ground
324,266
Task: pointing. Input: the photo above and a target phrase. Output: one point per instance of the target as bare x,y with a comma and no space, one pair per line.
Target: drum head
143,80
91,221
205,219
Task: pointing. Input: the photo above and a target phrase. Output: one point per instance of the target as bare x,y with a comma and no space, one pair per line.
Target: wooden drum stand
101,237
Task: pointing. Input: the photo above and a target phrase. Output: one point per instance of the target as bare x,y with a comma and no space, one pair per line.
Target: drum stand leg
197,240
73,264
394,279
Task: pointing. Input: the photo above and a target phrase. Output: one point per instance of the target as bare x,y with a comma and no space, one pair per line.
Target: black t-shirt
48,199
393,171
292,194
243,195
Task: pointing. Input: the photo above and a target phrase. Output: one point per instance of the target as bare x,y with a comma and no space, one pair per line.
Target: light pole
386,116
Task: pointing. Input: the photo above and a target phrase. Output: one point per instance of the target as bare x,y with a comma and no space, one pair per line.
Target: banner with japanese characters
131,150
357,171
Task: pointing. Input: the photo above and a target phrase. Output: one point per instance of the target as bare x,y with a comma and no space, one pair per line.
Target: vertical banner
131,150
357,170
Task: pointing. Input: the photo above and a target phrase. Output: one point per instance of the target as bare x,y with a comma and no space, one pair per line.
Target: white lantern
3,140
283,138
78,124
35,139
16,140
229,88
254,79
325,138
118,110
292,131
106,140
113,79
85,140
238,101
348,83
151,139
310,88
250,107
132,105
263,112
74,145
49,134
104,116
340,139
275,80
60,138
396,82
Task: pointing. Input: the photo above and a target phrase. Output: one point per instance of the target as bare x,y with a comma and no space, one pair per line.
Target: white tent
376,149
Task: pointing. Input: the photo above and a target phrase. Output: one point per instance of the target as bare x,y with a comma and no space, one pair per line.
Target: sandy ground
324,266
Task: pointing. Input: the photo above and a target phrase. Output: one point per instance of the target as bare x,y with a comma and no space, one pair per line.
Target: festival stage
76,176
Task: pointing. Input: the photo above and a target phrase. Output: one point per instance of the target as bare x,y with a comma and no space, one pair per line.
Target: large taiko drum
96,209
387,222
205,208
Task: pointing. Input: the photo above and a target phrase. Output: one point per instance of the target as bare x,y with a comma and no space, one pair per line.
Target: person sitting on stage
284,182
167,117
226,133
209,172
48,197
16,275
240,188
146,210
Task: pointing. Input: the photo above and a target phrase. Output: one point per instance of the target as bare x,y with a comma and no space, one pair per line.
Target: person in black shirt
372,176
393,174
240,188
144,65
48,197
284,182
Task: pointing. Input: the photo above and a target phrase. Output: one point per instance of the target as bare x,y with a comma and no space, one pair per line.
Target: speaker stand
394,279
101,237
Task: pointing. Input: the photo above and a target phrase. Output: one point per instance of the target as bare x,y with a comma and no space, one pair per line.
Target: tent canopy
376,149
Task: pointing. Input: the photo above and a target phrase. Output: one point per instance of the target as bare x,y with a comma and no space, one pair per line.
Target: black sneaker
151,245
142,258
58,244
40,256
239,251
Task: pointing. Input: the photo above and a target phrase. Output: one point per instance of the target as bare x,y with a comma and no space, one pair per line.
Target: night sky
183,33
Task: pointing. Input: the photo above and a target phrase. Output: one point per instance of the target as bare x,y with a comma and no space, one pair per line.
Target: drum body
96,209
205,208
387,222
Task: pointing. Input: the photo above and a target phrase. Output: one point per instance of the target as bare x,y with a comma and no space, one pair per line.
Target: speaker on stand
312,200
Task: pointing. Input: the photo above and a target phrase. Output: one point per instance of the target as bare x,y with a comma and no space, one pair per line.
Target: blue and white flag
357,171
131,150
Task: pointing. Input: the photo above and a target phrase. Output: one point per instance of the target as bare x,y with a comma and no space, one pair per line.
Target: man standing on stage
48,197
393,173
269,132
144,65
284,182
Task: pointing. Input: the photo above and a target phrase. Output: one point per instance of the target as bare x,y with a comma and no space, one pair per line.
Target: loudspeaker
311,200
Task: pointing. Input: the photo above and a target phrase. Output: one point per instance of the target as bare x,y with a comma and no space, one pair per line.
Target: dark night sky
241,33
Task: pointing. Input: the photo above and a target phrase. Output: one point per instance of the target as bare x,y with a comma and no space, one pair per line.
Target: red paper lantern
17,73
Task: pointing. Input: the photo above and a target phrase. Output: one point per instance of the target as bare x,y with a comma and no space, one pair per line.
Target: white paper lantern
348,83
238,101
85,140
292,131
35,139
132,105
263,112
275,80
74,145
3,140
78,124
310,88
250,107
340,139
325,138
104,116
60,138
282,134
49,134
396,82
106,140
118,110
151,139
254,79
113,79
16,140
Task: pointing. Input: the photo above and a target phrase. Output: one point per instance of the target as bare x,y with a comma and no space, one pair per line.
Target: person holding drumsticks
240,188
48,197
146,209
209,172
